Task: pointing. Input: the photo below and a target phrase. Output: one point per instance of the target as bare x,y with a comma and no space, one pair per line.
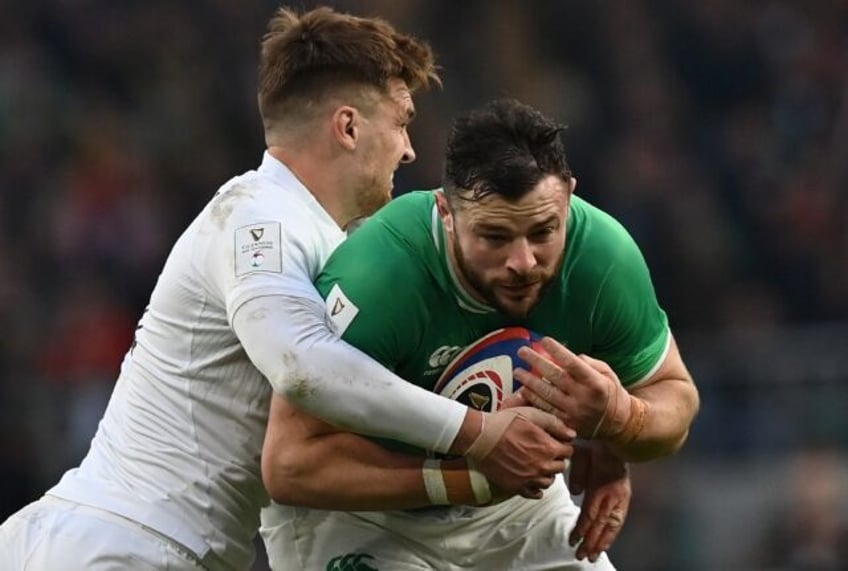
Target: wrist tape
635,423
488,439
458,483
632,427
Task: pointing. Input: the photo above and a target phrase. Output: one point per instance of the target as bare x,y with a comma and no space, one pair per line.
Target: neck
317,175
450,247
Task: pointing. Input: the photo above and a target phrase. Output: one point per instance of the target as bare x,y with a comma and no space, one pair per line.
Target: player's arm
651,422
330,379
653,418
633,347
288,340
307,462
300,466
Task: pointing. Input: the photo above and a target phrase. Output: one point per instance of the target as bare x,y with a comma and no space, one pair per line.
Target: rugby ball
481,375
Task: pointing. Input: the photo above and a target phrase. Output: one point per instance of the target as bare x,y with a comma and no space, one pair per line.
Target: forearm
289,342
670,406
307,462
361,475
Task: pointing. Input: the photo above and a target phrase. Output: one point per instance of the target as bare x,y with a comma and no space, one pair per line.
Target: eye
496,239
543,234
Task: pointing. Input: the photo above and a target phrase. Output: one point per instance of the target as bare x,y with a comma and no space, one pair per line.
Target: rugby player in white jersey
172,479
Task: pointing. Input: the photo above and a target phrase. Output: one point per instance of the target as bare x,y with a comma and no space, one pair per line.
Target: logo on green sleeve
351,562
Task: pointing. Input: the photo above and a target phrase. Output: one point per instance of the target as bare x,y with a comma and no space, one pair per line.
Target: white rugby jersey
178,448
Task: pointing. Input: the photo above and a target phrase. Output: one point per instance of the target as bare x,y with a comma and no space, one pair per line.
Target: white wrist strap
480,486
468,486
434,482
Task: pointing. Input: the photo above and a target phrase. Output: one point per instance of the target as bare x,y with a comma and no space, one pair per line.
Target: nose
408,151
521,258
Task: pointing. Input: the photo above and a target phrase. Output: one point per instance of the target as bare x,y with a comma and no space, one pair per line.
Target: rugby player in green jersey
505,242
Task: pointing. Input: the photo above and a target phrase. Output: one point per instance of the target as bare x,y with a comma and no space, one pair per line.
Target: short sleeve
630,329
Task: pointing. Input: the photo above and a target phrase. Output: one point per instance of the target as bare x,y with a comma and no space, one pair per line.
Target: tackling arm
328,378
288,340
306,462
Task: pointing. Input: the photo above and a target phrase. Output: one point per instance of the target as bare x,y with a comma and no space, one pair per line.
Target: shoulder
412,207
247,197
265,227
242,200
601,255
609,275
253,199
403,225
596,240
596,227
391,248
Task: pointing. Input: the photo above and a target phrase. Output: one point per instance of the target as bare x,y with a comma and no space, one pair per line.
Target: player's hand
521,450
583,392
604,480
515,399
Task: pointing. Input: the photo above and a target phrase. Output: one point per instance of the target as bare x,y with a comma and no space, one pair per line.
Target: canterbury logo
350,562
442,356
337,308
257,233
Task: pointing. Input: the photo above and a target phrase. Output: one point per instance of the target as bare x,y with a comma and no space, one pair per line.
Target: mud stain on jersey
258,314
225,202
303,388
306,389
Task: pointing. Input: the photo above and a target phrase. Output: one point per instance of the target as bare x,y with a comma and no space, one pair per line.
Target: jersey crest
258,248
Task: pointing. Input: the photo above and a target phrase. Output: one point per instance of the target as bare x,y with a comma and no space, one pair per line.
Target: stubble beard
488,293
371,199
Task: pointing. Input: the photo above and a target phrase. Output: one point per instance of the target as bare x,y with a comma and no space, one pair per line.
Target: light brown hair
308,56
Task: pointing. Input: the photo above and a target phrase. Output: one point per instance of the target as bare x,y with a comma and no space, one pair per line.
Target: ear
572,186
345,126
444,210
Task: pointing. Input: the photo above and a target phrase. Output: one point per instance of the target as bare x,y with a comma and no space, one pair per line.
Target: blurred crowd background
716,130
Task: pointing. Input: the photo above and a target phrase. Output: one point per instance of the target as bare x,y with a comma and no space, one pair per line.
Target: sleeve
630,329
283,261
289,342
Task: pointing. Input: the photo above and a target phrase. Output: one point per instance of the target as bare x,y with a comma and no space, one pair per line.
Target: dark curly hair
503,148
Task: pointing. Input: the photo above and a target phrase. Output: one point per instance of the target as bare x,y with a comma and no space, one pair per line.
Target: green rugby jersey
391,291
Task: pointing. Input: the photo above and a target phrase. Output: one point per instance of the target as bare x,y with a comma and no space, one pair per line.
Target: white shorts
518,534
53,534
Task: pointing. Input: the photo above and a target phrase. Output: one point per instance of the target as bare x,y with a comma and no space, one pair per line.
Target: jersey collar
277,171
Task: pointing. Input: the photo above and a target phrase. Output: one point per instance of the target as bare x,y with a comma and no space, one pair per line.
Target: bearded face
508,252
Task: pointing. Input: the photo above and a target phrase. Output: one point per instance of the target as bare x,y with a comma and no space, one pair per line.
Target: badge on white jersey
258,248
340,310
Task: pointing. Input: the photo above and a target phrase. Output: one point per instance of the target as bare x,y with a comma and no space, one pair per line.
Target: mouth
519,289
